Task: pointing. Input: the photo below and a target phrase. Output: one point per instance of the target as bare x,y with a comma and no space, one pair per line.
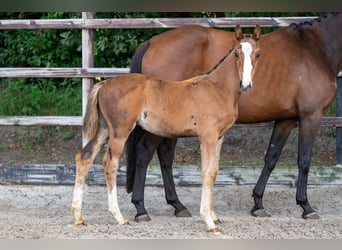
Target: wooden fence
87,72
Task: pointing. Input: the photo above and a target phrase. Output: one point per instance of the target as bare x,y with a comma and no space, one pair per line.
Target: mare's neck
329,29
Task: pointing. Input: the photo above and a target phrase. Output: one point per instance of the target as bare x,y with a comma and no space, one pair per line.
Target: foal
203,106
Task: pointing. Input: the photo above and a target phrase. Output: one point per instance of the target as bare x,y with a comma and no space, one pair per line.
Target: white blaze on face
247,65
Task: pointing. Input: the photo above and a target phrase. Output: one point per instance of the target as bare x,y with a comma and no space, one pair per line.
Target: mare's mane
311,22
225,56
219,62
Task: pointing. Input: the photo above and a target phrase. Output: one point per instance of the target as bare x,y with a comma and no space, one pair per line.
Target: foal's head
247,53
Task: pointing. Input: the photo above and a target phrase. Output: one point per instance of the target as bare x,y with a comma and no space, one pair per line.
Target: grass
68,136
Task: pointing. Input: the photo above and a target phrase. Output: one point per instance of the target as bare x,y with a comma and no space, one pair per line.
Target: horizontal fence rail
62,72
140,23
78,121
41,120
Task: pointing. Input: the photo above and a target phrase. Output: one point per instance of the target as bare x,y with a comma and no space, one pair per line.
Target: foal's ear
238,32
256,33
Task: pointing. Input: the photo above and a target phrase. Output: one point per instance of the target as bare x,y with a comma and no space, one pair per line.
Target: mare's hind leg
308,129
281,132
111,166
166,152
210,152
84,159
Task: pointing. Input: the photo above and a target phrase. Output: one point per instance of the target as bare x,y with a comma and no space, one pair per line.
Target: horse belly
249,113
167,126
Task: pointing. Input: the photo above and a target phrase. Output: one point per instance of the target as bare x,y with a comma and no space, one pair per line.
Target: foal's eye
236,53
257,54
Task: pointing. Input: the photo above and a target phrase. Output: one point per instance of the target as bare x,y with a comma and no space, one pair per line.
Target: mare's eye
257,54
236,53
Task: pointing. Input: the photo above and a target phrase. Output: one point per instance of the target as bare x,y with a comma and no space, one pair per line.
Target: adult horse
206,107
295,82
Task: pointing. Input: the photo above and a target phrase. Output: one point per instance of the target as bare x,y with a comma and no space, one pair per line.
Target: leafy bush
42,97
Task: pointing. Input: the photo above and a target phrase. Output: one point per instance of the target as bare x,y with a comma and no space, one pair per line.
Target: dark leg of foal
280,134
145,150
307,134
166,153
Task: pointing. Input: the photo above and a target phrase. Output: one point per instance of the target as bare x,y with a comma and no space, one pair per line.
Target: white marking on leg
114,206
76,206
205,209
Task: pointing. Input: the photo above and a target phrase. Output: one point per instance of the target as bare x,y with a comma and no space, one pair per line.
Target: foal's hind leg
166,152
281,132
84,159
111,165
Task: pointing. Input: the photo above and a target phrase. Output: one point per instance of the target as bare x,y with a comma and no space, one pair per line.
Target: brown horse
295,82
203,106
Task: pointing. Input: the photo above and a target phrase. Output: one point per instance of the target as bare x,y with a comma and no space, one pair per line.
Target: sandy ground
43,212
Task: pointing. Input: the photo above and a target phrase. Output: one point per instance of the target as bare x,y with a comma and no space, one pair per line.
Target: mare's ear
238,32
256,33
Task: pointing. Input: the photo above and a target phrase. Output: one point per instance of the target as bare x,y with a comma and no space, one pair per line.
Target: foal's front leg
210,154
111,165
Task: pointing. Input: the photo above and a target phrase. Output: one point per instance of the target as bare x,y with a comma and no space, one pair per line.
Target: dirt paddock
43,212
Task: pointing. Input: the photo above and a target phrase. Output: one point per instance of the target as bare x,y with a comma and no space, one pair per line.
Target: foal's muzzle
245,88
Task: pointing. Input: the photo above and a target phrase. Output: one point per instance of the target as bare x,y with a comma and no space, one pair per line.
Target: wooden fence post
339,129
87,62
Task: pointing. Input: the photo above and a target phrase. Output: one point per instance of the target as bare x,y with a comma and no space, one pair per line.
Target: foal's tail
91,122
137,132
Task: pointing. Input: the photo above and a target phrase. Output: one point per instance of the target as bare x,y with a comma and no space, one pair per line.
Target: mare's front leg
308,129
210,154
166,153
280,134
111,166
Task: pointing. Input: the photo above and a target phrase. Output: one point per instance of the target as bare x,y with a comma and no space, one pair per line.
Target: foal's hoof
125,222
311,216
142,218
183,213
79,224
215,230
261,213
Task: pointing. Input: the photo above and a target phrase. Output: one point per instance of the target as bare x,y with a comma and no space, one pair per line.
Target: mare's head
247,53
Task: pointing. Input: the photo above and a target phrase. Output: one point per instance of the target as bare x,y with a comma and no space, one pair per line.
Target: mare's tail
137,133
91,122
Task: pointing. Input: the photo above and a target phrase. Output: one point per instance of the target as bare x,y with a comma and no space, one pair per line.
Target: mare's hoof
142,218
261,213
183,213
215,230
311,216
